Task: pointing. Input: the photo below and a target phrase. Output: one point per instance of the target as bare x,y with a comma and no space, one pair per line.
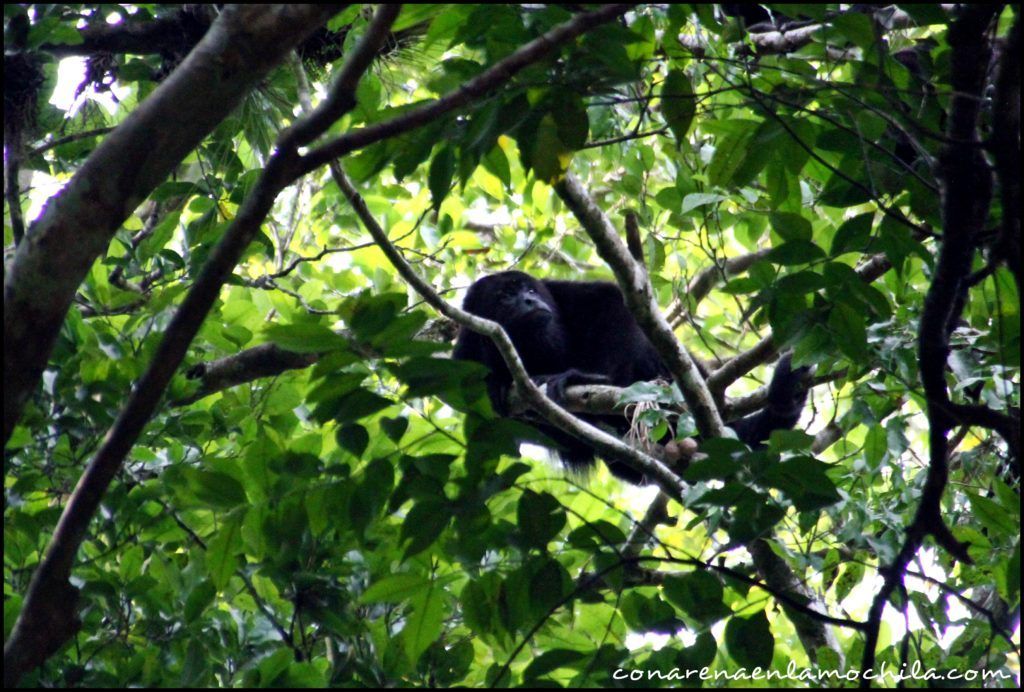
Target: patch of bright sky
70,73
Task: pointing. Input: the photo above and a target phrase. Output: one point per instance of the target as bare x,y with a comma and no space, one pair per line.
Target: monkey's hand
555,384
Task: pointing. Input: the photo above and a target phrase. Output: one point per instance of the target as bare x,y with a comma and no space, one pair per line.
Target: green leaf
222,551
411,15
700,655
424,622
857,28
358,404
648,614
699,199
199,599
678,104
442,171
549,585
395,588
853,235
353,438
842,190
432,376
550,661
764,147
425,522
490,439
161,235
699,594
417,147
992,516
799,284
710,469
571,120
731,151
215,488
480,603
796,252
305,338
496,163
750,641
790,226
595,535
394,428
1011,583
849,332
549,157
755,516
804,480
853,573
541,517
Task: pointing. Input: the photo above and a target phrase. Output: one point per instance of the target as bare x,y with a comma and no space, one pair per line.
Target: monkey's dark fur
580,332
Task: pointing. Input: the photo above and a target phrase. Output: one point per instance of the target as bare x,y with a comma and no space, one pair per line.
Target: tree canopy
237,452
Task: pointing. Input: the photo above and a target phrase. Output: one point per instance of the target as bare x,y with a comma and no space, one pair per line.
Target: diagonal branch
791,38
1005,148
77,225
635,284
636,287
481,85
707,279
47,618
265,360
967,181
605,444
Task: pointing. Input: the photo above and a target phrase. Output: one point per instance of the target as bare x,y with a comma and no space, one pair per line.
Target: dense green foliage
367,521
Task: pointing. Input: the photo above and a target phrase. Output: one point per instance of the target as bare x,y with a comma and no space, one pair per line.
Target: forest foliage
283,480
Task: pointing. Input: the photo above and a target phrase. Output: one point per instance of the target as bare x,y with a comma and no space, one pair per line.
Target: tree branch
738,366
788,40
265,360
46,621
639,295
705,280
68,139
1005,148
491,78
169,34
606,445
968,188
77,225
808,622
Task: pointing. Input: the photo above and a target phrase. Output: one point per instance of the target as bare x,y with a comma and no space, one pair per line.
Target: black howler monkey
581,332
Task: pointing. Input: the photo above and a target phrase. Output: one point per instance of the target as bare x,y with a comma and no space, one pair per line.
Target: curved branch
265,360
738,366
47,618
481,85
787,40
605,444
968,184
173,33
78,224
705,280
1006,149
636,287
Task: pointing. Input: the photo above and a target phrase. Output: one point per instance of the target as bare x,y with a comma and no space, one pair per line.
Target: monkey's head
513,299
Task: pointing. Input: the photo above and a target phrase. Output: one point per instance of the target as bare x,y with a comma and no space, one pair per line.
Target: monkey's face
512,299
526,304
